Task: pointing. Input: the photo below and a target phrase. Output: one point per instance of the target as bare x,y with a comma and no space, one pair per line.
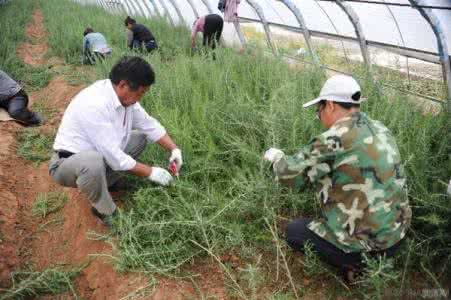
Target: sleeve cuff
156,135
128,164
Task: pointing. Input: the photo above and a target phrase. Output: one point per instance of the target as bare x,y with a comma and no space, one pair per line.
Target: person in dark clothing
15,100
140,35
211,26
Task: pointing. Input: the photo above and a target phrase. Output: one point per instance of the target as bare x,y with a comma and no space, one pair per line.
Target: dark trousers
212,30
18,110
298,234
150,45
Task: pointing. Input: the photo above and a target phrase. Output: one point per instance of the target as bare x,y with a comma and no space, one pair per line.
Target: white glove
160,176
176,156
273,155
449,188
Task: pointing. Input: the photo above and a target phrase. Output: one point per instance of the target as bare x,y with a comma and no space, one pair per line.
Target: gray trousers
89,172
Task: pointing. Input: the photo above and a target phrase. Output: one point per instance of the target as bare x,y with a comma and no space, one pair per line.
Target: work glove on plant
176,157
273,155
160,176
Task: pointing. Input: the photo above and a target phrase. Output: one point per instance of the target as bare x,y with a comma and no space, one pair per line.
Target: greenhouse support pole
358,31
101,4
305,31
130,8
157,10
127,8
240,34
193,7
167,13
108,5
134,11
122,8
116,5
207,4
145,7
261,15
177,10
137,8
442,47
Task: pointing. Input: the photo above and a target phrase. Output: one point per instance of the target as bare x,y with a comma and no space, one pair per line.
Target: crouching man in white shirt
104,129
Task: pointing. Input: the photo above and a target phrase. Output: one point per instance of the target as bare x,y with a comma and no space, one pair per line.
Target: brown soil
62,238
33,52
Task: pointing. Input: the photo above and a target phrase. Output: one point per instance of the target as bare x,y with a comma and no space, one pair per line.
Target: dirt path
33,52
62,238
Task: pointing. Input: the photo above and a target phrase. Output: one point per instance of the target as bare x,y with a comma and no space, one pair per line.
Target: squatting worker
211,26
139,35
356,168
95,46
14,99
104,130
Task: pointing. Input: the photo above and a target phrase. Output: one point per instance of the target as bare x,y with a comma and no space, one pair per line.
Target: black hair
88,30
134,70
347,105
129,20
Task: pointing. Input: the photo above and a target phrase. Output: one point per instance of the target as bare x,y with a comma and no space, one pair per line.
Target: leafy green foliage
379,274
27,284
47,203
13,20
34,145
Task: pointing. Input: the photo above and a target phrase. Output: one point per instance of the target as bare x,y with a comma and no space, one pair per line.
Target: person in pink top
211,27
231,10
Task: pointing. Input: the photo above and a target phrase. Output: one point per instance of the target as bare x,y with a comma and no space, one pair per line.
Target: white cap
339,88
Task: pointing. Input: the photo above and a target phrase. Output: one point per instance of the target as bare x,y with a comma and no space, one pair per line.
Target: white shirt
95,120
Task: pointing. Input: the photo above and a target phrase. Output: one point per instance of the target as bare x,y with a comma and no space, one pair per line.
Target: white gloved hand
160,176
449,188
273,155
176,156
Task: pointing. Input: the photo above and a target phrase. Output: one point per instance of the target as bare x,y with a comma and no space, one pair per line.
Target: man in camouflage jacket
356,169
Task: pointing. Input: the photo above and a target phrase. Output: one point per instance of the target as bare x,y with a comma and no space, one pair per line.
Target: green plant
313,265
34,145
47,203
13,20
27,284
379,274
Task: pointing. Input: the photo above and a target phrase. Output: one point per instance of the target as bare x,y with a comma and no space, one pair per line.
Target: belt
64,153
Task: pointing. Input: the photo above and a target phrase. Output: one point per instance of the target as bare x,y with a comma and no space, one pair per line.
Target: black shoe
106,219
35,120
350,275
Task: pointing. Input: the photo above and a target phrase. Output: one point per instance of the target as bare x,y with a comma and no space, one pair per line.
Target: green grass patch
47,203
32,284
34,145
14,17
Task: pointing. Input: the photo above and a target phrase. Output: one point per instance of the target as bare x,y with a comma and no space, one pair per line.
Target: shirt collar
112,94
354,115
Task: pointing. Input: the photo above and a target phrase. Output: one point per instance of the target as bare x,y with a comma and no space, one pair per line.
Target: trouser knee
17,108
94,166
297,233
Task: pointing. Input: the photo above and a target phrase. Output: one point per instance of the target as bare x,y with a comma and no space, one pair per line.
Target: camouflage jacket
356,169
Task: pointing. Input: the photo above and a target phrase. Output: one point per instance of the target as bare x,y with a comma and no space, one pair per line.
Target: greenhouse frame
349,22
